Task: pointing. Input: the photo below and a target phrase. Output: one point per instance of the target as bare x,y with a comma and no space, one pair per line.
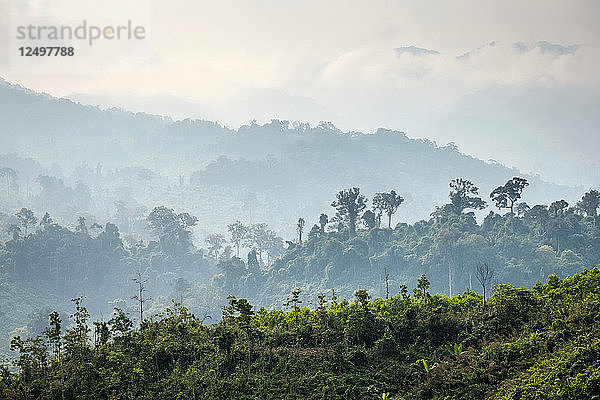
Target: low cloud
415,51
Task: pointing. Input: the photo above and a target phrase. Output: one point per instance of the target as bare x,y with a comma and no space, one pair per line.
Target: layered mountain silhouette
286,169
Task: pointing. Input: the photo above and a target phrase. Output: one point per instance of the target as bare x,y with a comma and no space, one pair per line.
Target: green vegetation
539,343
150,263
344,252
388,343
519,248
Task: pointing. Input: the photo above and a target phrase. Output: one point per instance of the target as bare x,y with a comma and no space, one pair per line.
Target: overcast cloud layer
510,80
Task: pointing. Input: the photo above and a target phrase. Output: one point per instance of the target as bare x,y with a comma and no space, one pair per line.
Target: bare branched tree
485,276
141,280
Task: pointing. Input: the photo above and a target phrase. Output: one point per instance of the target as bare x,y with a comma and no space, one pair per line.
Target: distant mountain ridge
293,168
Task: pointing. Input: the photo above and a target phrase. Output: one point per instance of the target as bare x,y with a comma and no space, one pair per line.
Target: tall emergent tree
378,206
464,194
422,287
349,204
589,203
172,230
506,196
323,221
300,229
26,218
215,244
387,203
392,202
257,238
238,232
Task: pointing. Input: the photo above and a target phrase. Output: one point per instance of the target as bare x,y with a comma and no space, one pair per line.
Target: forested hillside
353,249
112,165
282,261
539,343
360,245
232,200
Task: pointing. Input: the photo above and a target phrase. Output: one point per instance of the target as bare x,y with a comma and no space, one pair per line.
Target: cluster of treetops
538,343
351,206
53,253
403,344
524,245
352,211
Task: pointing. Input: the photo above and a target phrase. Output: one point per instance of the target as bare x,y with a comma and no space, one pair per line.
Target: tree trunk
249,349
449,280
387,285
483,297
352,225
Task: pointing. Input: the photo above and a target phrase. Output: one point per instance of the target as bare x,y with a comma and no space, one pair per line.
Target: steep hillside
539,343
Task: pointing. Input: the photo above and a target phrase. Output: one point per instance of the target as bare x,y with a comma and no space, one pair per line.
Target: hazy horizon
510,81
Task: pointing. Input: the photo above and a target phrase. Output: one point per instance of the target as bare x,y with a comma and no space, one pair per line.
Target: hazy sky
233,61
